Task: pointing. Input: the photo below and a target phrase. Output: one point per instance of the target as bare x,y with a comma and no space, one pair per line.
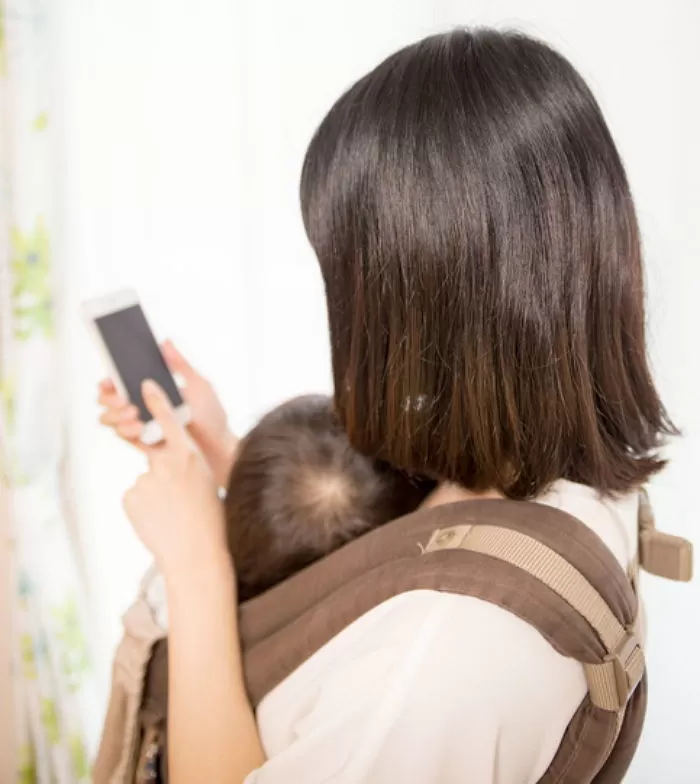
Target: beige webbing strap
633,574
610,683
662,554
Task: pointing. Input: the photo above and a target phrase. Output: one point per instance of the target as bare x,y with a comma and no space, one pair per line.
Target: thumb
177,362
159,405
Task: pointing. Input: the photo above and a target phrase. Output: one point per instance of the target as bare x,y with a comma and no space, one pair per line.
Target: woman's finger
106,386
119,416
177,362
130,431
157,402
112,400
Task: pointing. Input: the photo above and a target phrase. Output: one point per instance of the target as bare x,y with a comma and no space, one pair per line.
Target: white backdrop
184,127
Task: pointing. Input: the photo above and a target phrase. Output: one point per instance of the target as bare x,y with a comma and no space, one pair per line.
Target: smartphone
131,352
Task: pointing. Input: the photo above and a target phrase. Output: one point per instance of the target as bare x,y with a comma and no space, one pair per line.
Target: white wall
184,132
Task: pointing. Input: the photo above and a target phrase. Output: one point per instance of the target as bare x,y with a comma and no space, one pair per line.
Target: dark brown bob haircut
483,272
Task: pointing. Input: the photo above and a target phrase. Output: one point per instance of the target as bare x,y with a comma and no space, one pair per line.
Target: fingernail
151,389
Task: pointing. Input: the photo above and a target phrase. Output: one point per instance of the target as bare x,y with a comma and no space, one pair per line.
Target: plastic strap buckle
628,667
612,683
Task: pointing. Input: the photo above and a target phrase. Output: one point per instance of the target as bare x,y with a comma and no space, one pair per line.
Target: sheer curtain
53,698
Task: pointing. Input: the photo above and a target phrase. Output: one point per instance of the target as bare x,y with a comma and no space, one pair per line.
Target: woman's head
483,271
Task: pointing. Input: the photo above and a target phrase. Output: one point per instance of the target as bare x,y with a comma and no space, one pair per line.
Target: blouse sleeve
426,687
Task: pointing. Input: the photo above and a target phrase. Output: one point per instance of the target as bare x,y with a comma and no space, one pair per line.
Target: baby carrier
537,562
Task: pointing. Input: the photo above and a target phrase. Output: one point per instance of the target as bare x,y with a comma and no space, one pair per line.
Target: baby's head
298,490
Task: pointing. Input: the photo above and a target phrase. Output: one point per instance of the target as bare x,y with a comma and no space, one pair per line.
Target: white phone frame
98,307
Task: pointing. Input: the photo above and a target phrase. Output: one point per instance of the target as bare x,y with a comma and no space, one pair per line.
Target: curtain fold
55,708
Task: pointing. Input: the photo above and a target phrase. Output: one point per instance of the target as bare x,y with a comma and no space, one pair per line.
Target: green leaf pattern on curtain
58,711
73,653
26,767
30,266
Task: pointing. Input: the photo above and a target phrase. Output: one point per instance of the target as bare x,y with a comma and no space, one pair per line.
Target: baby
298,491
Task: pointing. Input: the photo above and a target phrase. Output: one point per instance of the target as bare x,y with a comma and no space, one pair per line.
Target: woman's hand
174,507
209,426
176,512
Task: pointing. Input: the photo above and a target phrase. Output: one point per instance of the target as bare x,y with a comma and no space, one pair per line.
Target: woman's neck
448,493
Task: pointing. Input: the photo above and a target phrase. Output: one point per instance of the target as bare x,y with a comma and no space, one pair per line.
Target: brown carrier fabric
119,746
524,557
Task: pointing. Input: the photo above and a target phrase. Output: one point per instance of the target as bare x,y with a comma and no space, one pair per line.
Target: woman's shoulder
613,518
429,682
425,682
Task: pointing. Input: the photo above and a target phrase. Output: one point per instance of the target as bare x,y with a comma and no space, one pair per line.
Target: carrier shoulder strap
535,561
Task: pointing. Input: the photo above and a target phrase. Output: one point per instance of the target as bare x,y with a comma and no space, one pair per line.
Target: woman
483,276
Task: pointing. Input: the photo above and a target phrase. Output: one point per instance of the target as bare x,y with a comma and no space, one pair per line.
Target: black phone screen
136,355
